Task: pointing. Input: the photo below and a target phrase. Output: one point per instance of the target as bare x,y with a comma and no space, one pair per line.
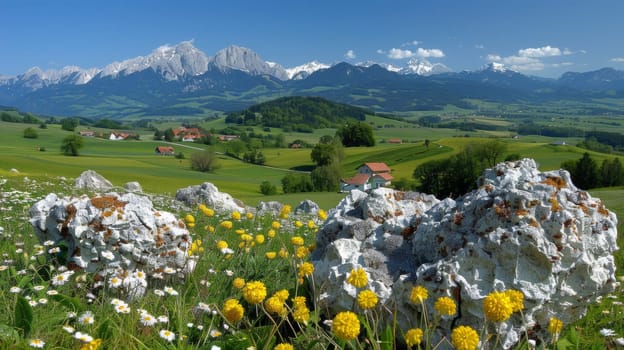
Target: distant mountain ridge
182,80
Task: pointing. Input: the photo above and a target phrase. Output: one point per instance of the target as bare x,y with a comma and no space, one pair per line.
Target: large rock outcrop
92,181
209,195
521,229
113,234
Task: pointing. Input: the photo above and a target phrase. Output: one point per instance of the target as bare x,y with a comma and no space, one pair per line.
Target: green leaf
71,303
106,329
387,338
23,315
573,336
8,334
563,344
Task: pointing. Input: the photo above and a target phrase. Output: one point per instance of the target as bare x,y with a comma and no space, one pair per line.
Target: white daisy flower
167,335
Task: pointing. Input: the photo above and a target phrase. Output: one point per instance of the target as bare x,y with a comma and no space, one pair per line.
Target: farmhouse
369,176
164,150
187,134
116,136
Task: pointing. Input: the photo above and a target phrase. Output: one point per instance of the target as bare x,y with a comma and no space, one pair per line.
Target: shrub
204,161
30,133
267,188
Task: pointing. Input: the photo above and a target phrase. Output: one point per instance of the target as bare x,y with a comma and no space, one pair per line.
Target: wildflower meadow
252,288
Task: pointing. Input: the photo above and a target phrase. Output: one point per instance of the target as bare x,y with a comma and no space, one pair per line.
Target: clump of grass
252,287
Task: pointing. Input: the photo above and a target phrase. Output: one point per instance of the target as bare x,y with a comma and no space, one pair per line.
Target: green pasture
124,161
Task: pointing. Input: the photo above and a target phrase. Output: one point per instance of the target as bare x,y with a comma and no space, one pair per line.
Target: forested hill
298,114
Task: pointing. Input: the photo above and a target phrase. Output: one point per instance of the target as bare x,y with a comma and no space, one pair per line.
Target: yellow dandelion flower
311,224
241,245
189,219
283,346
271,233
92,345
233,310
301,252
190,225
516,298
367,299
248,215
464,338
358,278
282,294
285,211
419,294
276,225
299,301
413,337
445,306
346,325
270,255
275,305
298,223
246,237
555,326
297,240
240,231
283,253
301,313
235,215
226,224
210,228
238,283
260,239
322,214
207,211
222,245
254,292
306,269
497,307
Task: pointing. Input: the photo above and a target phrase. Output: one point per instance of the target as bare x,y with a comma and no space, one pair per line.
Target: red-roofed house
164,150
369,176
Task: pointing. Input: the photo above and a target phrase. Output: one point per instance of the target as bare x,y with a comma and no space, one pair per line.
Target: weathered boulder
113,234
307,207
209,195
92,181
133,186
270,207
522,229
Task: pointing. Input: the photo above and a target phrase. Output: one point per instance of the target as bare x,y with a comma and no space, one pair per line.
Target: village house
87,133
227,138
116,136
187,134
369,176
164,150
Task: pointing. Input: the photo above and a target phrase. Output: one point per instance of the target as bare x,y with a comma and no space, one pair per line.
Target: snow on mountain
172,62
304,70
423,67
246,60
495,67
386,66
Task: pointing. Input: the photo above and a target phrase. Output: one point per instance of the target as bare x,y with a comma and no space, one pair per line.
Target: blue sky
543,38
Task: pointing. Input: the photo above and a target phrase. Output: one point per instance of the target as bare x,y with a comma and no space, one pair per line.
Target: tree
356,134
169,135
326,178
427,143
30,133
295,182
71,144
267,188
70,124
323,154
585,173
236,147
611,173
204,161
491,151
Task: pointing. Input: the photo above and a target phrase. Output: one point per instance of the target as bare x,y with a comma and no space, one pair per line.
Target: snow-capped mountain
246,60
423,67
172,62
304,70
385,66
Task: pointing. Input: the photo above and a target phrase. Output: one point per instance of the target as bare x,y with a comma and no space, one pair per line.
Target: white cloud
494,58
479,46
567,52
562,64
425,53
617,59
545,51
411,43
350,54
398,54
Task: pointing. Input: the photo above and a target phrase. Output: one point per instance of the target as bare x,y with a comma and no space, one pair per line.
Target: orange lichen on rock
555,182
107,202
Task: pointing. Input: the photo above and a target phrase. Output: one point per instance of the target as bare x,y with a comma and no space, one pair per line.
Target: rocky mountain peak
246,60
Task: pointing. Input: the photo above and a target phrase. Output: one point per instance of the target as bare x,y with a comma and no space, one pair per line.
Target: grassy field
124,161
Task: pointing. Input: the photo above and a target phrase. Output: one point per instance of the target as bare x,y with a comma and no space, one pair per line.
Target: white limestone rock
521,229
92,181
113,233
209,195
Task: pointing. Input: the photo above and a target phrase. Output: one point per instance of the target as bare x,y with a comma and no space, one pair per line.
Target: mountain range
182,80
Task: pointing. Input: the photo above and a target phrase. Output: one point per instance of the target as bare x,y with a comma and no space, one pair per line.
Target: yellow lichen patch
107,202
555,182
602,210
533,223
554,204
